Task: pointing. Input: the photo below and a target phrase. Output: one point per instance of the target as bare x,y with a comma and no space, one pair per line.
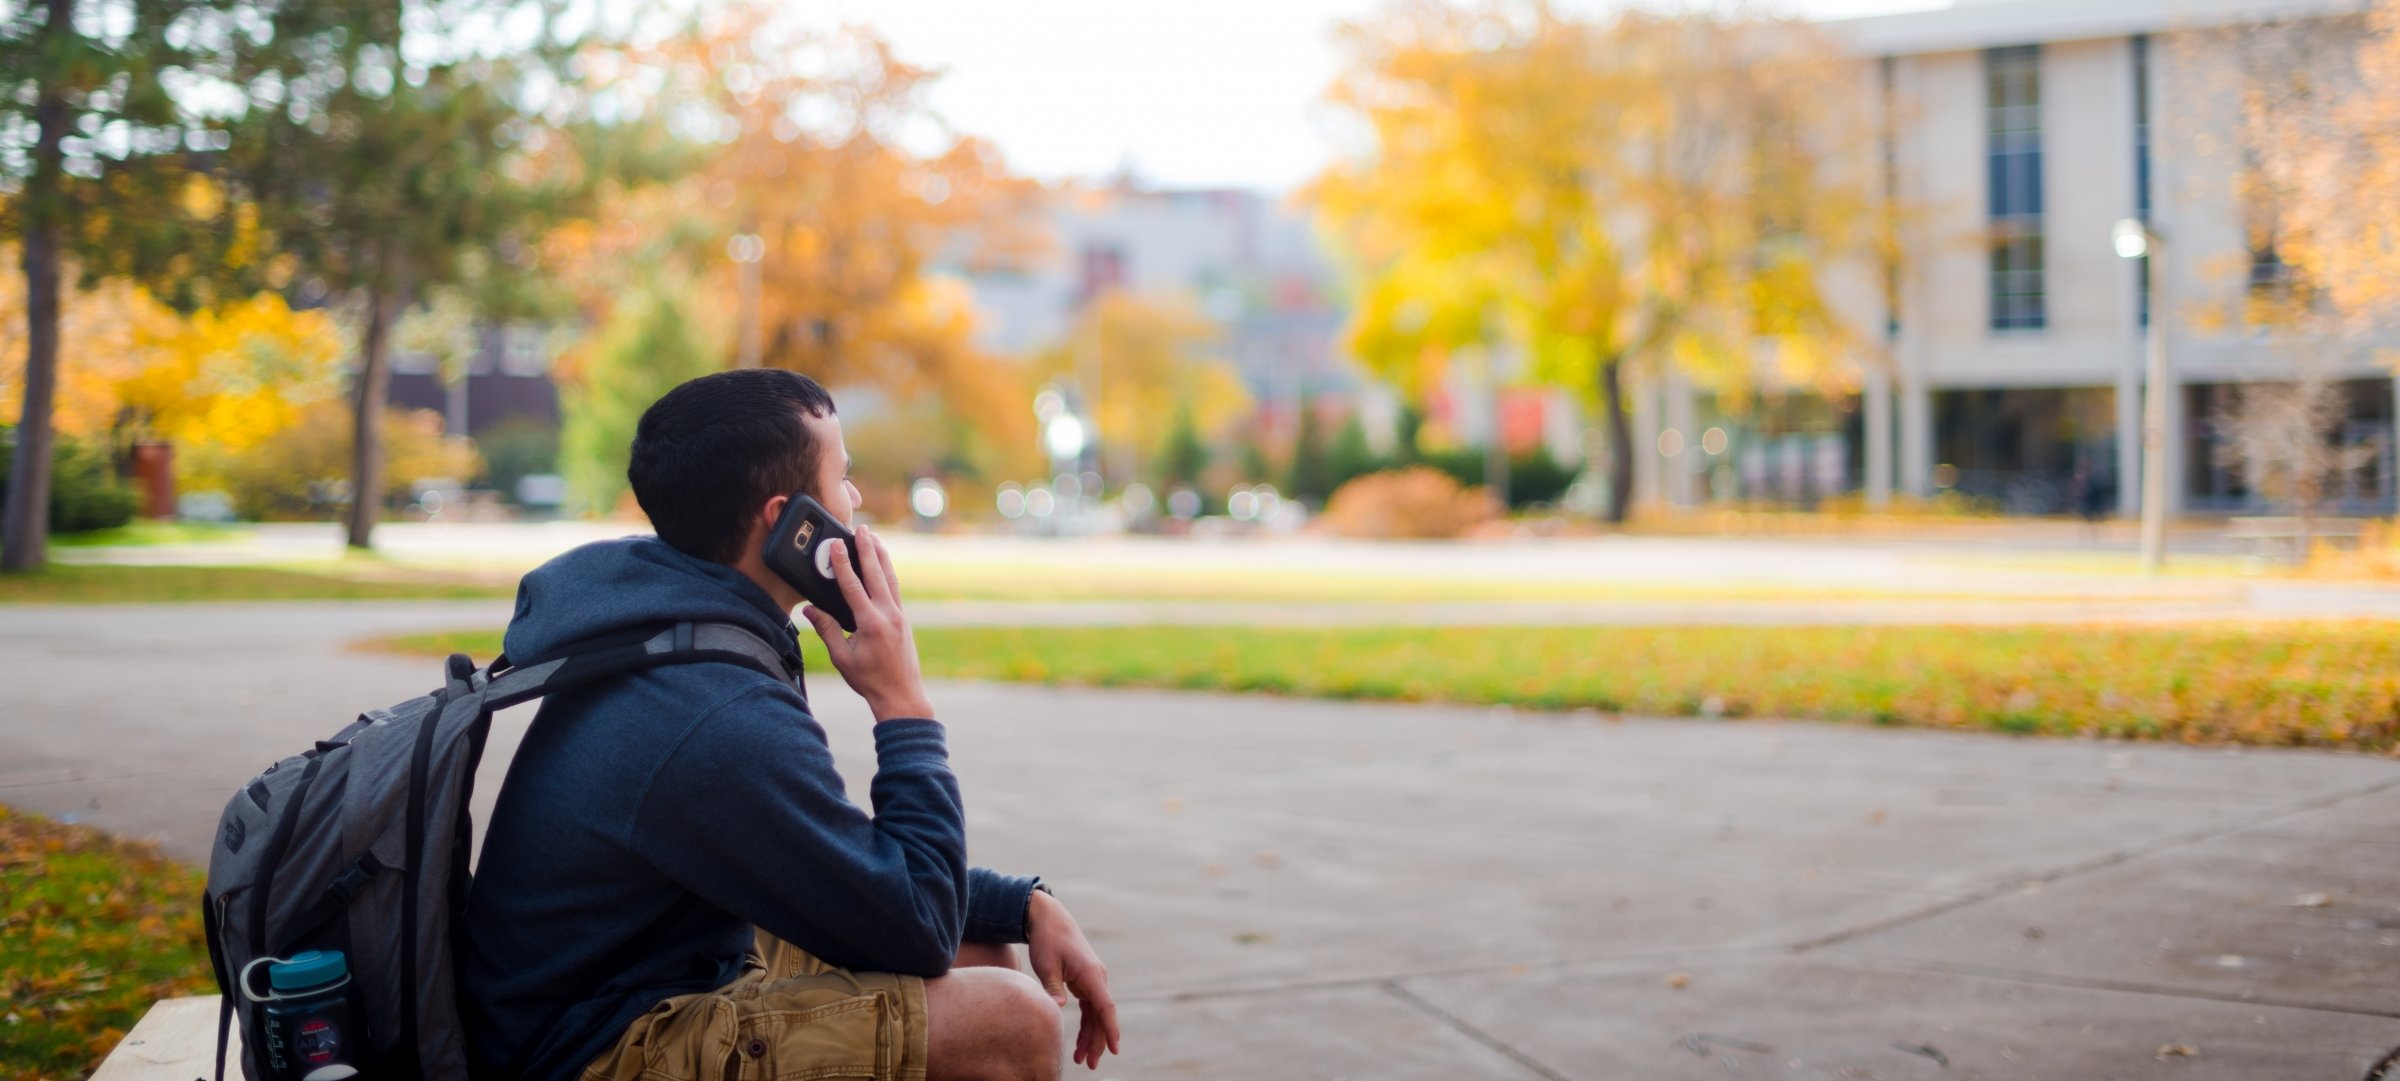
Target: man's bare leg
990,1022
986,955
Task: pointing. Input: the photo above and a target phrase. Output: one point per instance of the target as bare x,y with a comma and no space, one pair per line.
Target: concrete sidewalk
1297,889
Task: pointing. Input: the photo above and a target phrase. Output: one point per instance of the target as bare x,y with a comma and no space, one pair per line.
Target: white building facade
1256,266
2018,133
1250,263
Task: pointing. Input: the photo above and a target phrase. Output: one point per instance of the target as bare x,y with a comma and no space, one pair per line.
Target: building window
2141,163
1103,270
527,352
2277,292
2013,114
2017,301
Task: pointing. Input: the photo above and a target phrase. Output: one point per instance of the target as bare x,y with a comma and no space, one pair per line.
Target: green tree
85,493
652,344
1182,458
394,149
1533,475
514,449
1310,476
1351,457
1643,188
91,174
1254,461
1405,451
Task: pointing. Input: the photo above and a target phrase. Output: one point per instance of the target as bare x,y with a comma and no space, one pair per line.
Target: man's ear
775,510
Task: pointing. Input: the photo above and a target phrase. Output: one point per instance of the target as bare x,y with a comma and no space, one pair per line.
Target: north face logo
235,834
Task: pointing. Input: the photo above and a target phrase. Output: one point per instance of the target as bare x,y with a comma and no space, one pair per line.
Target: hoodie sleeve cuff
996,906
903,741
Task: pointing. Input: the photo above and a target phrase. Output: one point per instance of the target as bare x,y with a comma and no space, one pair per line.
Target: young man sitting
674,884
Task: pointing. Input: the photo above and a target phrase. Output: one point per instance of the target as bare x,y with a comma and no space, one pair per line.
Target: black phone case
791,553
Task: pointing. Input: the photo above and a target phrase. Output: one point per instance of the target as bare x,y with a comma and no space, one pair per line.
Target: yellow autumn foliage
1152,355
218,381
2320,128
299,472
97,929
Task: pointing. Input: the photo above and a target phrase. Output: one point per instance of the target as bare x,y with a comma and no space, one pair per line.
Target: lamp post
2134,240
1064,437
747,249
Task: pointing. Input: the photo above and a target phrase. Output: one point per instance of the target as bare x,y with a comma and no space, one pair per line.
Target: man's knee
1032,1019
985,955
992,1024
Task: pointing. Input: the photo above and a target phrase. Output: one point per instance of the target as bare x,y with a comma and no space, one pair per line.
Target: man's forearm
996,905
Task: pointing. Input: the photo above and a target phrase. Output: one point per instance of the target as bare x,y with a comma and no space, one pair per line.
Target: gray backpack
360,844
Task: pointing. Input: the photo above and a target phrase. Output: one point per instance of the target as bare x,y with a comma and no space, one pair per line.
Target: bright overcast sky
1193,93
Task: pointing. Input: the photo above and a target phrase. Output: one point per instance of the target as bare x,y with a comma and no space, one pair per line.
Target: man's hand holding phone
879,660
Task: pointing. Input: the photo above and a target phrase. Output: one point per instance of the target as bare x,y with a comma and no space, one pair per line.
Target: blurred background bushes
85,491
1416,503
301,472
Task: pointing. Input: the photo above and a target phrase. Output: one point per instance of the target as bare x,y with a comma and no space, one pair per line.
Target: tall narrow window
2141,160
2013,112
1103,269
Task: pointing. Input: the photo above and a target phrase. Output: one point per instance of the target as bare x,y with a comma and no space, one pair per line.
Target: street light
2132,240
927,499
746,249
1063,437
2135,239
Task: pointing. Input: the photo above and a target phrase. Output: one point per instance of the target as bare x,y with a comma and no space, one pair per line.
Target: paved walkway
1296,889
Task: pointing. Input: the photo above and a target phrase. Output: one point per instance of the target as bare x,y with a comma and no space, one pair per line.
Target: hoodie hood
617,585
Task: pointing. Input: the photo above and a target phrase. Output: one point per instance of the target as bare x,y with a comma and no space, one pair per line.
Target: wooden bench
2260,535
175,1041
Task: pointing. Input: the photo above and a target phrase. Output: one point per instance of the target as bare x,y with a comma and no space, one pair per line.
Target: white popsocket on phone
800,552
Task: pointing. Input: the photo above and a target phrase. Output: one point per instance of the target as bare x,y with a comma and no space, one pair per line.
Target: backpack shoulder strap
504,684
721,638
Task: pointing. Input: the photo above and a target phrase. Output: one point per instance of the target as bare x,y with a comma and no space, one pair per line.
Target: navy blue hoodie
648,823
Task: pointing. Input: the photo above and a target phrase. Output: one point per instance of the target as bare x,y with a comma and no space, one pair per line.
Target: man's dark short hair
709,452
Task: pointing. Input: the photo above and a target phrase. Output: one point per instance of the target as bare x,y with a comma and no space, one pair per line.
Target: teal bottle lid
306,971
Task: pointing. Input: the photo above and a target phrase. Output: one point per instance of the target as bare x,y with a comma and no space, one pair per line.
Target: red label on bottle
318,1041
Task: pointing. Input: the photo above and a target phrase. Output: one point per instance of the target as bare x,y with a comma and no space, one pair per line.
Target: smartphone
797,554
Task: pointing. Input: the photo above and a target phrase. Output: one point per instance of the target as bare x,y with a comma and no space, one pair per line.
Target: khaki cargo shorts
790,1018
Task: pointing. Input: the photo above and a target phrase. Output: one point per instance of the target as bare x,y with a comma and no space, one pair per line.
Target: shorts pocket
649,1044
848,1038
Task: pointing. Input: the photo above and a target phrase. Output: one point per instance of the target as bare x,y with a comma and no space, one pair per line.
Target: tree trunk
1495,449
25,536
366,418
1620,439
2306,493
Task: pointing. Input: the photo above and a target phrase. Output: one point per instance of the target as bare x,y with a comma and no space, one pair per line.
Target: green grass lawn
931,577
95,930
68,583
2318,684
147,533
371,578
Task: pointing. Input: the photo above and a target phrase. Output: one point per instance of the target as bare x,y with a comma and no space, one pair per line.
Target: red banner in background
1521,415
